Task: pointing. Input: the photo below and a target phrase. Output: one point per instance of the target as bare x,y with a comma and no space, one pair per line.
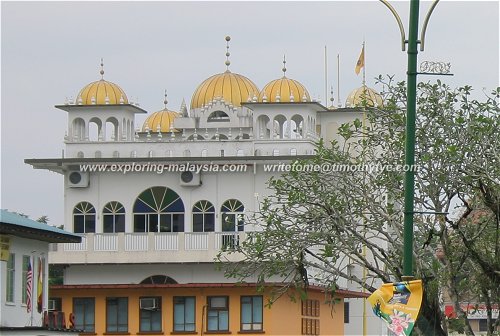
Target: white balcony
150,247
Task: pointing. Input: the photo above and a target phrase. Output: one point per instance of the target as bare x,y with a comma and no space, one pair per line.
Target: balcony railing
146,247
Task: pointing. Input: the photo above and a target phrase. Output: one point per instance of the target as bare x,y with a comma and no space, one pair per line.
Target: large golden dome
233,88
164,119
364,96
282,90
101,92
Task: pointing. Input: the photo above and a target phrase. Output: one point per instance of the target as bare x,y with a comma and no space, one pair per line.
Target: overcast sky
50,50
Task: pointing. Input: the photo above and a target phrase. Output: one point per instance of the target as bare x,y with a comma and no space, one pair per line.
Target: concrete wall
14,314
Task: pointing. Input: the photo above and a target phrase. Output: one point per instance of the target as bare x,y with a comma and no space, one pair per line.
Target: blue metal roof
12,223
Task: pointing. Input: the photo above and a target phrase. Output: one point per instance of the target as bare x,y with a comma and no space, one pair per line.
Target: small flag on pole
39,286
29,286
361,61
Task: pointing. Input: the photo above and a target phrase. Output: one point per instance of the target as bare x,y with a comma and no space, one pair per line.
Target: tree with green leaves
317,224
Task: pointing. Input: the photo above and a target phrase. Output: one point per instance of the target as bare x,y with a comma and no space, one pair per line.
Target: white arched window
203,217
158,209
232,216
83,218
113,217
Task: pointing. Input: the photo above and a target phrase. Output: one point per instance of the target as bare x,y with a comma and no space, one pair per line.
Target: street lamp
411,89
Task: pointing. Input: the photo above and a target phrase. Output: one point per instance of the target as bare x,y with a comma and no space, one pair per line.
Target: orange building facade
197,309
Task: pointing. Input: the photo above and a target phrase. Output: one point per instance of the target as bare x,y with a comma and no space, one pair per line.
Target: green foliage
316,223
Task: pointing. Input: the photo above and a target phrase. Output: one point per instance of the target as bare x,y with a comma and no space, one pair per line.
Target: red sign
473,311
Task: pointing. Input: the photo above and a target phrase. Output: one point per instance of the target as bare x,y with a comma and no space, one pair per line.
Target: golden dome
101,92
232,87
364,96
284,88
164,118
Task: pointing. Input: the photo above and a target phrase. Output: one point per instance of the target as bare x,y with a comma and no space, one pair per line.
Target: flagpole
338,80
32,259
326,79
364,64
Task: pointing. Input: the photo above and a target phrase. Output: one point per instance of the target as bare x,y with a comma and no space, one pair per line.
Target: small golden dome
164,118
233,88
364,96
284,90
101,92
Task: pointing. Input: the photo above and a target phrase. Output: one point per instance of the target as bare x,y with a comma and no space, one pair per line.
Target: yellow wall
284,318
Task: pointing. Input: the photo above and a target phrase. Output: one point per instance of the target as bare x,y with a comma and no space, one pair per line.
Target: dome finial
102,69
165,101
284,65
331,107
228,38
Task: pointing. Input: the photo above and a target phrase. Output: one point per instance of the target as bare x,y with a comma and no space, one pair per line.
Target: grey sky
50,50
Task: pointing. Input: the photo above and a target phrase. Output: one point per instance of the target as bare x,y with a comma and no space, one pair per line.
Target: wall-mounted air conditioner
190,179
77,179
148,303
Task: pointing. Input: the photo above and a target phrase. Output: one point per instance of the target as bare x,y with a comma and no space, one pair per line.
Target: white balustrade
105,242
82,246
196,241
166,241
136,242
226,240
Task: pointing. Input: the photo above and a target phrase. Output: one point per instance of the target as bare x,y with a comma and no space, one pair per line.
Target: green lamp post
409,181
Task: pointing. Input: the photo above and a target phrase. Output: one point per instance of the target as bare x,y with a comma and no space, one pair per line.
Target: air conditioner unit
78,179
190,179
148,303
52,305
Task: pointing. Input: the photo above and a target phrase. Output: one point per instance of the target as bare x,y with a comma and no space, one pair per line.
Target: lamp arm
400,24
426,22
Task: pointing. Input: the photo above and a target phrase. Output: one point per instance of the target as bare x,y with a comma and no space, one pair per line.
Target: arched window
293,151
98,154
113,217
232,216
158,209
80,155
158,280
83,218
218,116
203,217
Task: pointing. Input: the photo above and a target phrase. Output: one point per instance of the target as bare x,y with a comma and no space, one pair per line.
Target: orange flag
361,61
39,285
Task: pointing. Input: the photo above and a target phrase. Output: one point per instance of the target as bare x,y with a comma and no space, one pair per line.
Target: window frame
10,285
206,210
184,324
252,309
234,209
24,279
346,311
156,207
87,212
86,301
217,310
115,211
151,317
116,327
